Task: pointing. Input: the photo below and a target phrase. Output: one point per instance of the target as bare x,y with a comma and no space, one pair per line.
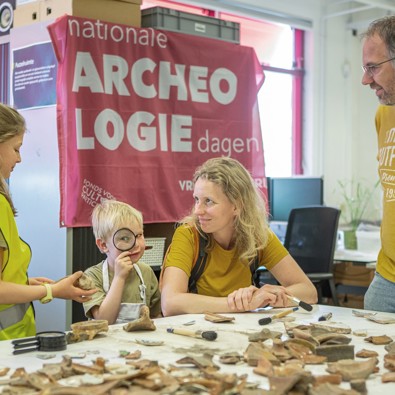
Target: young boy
122,284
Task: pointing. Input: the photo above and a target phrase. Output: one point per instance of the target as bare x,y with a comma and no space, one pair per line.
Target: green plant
357,196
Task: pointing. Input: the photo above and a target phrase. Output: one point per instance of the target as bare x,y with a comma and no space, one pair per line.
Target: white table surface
231,337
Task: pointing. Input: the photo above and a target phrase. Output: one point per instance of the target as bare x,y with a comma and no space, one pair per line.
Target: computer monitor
286,193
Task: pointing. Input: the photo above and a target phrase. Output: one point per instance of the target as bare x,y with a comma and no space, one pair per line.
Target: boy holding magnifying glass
123,283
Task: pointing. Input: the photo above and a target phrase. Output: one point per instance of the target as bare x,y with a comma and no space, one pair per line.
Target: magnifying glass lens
124,239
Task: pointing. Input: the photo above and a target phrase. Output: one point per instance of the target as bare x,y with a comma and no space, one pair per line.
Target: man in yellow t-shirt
379,73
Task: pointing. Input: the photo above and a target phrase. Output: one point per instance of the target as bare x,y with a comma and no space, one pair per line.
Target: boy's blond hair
109,215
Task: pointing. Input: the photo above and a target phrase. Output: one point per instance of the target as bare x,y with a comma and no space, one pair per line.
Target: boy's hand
123,264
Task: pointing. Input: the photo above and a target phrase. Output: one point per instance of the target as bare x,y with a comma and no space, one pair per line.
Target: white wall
35,191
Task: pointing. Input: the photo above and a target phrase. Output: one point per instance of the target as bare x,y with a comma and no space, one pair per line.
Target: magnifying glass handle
23,350
26,340
24,345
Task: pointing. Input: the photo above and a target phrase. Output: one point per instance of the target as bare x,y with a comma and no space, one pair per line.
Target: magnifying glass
124,239
43,341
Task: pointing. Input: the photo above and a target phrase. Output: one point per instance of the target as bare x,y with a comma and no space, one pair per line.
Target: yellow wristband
48,297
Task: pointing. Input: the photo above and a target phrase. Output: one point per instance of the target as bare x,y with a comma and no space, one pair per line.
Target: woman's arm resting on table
293,282
176,299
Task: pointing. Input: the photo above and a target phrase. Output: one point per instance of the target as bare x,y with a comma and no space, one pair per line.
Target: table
231,337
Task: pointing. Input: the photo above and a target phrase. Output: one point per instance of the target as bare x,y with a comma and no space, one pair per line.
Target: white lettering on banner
91,193
187,185
144,132
99,30
227,145
222,83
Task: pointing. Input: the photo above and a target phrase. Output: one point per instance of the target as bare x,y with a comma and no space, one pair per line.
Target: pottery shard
331,389
142,323
336,352
364,353
352,370
388,377
389,362
89,328
379,340
327,378
337,327
84,282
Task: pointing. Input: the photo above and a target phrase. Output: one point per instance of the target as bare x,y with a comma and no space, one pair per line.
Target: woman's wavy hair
251,224
11,124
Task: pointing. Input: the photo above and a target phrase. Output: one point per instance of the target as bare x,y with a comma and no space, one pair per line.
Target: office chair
311,240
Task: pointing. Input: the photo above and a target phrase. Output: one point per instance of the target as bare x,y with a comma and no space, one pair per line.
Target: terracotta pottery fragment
333,338
359,385
264,367
202,361
279,350
263,335
388,377
336,352
84,282
379,340
390,348
4,371
337,327
217,317
255,351
230,358
360,332
351,370
282,385
389,362
327,378
314,359
331,389
305,335
364,353
89,329
144,323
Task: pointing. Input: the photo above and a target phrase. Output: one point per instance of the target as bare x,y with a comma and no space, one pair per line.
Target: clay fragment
337,327
336,352
327,378
84,282
263,335
282,385
255,351
333,338
359,385
364,353
379,340
390,348
360,332
133,355
4,371
388,377
314,359
351,370
217,317
331,389
264,367
201,362
230,358
389,362
88,329
144,322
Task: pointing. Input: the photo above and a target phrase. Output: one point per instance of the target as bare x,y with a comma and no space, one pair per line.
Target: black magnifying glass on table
43,341
124,239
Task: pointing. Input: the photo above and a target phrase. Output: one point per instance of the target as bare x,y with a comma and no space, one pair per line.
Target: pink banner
139,109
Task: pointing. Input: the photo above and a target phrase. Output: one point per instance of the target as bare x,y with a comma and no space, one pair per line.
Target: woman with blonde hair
17,290
230,216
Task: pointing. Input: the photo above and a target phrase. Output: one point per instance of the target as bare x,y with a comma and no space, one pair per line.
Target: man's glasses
373,68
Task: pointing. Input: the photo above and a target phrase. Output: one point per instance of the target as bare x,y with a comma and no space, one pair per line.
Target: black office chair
311,240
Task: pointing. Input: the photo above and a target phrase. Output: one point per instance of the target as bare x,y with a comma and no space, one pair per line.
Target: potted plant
356,198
